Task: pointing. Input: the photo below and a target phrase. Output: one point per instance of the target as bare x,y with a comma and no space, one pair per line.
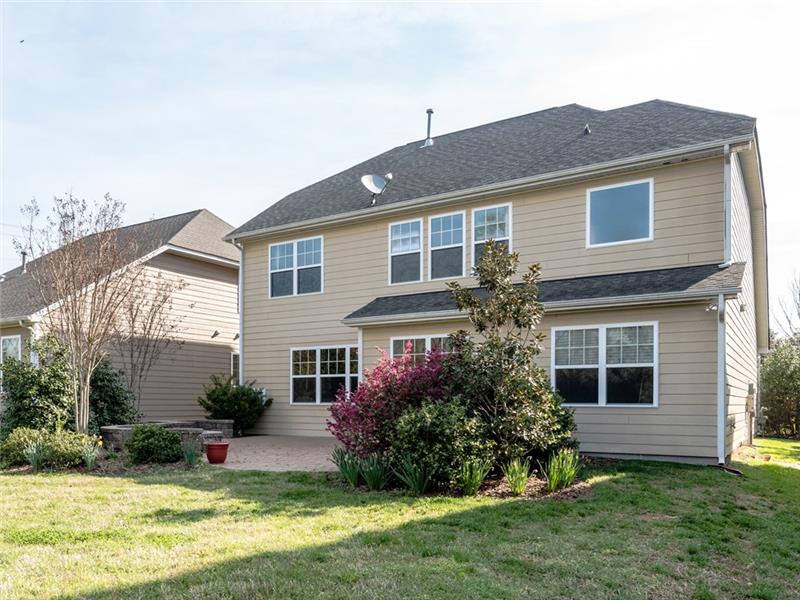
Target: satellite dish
374,183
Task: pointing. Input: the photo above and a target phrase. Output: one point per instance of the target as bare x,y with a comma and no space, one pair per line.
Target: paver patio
281,453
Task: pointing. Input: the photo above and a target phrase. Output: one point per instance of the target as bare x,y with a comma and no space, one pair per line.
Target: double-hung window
446,246
606,365
490,223
405,251
418,347
619,214
295,268
317,374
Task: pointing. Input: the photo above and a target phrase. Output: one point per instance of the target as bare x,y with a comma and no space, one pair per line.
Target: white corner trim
721,376
726,201
240,246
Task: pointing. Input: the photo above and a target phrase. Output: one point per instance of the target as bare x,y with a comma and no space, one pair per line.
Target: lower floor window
317,374
418,347
606,364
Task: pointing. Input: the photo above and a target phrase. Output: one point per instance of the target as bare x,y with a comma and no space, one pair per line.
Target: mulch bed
535,490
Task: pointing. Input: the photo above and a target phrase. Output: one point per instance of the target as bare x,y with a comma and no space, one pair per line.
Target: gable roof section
195,231
536,144
683,283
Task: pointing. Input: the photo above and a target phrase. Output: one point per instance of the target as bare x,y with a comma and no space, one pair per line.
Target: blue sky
230,106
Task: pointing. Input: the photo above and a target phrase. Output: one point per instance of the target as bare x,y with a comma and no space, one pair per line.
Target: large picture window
606,365
446,246
10,347
619,214
295,268
317,374
418,347
490,223
405,252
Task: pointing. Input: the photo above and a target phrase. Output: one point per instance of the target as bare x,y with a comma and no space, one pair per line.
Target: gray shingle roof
698,280
198,230
529,145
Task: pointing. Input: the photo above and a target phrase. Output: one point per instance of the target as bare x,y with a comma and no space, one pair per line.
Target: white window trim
589,191
602,366
18,337
421,250
472,241
295,268
427,339
462,245
318,376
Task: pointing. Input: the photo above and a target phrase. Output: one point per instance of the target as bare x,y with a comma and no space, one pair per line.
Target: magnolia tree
84,270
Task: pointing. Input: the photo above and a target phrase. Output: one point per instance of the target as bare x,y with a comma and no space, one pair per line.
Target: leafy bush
561,469
40,396
439,437
224,399
36,397
415,477
363,421
349,465
60,449
780,389
110,400
473,472
154,444
517,472
375,471
498,377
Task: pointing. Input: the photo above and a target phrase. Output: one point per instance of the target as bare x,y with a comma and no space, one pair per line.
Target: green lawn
648,530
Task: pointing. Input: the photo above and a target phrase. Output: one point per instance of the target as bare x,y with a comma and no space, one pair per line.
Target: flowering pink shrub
364,420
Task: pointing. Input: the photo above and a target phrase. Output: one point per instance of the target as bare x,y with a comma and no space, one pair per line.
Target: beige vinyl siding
208,303
682,425
741,360
548,226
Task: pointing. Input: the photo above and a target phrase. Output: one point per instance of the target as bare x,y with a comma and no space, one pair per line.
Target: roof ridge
686,106
522,116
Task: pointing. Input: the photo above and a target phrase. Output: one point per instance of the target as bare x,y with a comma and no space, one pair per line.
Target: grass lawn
648,530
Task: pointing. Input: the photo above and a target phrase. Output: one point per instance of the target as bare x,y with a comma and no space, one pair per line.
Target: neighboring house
649,224
187,248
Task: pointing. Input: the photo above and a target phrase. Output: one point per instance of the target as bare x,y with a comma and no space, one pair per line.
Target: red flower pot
217,452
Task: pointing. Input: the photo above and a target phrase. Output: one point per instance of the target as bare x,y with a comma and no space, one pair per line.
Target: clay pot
217,452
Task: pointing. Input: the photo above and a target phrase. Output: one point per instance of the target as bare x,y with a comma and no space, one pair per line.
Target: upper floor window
446,258
606,364
295,267
405,252
490,223
619,214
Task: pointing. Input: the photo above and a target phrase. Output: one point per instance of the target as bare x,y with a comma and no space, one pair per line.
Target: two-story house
649,224
186,249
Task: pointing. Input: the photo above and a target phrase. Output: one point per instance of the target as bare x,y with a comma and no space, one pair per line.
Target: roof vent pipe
428,139
24,261
586,130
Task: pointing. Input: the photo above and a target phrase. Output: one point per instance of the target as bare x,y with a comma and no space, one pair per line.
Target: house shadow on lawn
613,544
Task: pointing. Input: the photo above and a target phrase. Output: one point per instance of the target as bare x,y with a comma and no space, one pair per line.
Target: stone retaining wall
192,432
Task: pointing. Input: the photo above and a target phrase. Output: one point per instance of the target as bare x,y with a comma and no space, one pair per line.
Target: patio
280,453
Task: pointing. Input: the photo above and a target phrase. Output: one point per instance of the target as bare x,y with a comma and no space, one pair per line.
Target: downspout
726,200
241,310
721,379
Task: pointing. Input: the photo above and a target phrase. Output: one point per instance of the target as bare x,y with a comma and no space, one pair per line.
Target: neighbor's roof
196,231
536,144
663,284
